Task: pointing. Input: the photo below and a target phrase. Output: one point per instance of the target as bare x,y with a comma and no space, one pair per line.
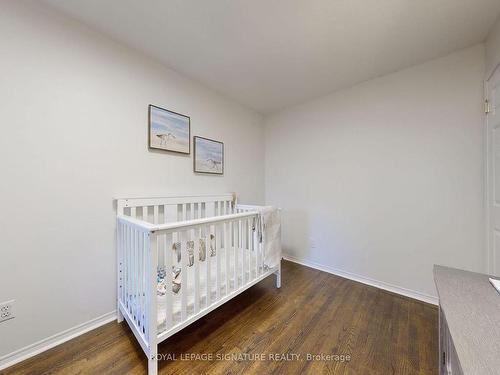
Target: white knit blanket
270,227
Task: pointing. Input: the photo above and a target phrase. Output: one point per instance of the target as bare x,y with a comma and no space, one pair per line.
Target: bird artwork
165,138
213,164
208,156
169,131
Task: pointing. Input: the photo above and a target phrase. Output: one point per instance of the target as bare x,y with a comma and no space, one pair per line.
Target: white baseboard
49,342
366,280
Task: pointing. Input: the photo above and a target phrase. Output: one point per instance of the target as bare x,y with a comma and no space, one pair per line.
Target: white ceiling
270,54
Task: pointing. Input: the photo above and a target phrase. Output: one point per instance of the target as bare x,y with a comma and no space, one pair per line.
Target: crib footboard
169,275
136,294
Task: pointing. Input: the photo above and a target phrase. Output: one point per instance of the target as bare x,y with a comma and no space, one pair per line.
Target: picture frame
208,156
168,130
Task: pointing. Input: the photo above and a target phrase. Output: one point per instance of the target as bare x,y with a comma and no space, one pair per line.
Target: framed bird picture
169,131
208,156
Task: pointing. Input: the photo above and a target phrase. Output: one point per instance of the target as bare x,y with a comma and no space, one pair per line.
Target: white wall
73,113
385,178
493,48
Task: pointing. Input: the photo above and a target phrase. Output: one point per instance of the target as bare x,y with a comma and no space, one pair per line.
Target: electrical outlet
6,310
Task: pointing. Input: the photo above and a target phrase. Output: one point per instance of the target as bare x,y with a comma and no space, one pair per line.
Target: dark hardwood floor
314,312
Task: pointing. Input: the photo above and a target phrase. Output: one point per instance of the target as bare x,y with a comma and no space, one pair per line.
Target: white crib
221,254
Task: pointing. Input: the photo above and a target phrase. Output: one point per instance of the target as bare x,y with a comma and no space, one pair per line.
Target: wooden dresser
469,323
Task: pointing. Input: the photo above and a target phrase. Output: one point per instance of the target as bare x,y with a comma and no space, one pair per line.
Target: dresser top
471,307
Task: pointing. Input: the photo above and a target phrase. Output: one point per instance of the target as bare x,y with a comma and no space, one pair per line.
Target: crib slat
147,296
249,239
183,291
145,213
236,251
254,247
120,262
145,272
167,251
248,255
243,252
131,274
132,252
227,248
218,257
160,241
151,250
163,239
133,212
249,244
125,265
168,278
155,214
143,305
232,254
208,261
138,279
258,248
134,274
150,286
195,237
183,212
131,270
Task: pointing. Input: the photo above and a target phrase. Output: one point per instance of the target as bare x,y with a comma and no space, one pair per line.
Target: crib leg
153,364
278,276
119,315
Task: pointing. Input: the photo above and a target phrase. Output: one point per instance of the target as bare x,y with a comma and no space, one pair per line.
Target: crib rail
225,249
175,209
187,224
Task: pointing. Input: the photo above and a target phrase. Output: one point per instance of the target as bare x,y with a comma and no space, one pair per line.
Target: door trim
490,251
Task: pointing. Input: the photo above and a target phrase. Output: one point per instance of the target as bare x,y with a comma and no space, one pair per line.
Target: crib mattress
250,273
